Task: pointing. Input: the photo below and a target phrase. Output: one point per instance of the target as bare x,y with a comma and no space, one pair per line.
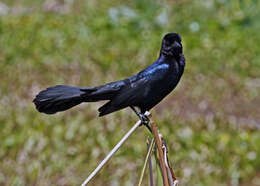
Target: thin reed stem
146,160
112,152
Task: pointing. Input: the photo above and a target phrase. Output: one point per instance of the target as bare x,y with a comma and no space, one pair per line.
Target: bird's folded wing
140,86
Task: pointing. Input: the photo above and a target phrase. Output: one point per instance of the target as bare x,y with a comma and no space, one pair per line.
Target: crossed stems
144,119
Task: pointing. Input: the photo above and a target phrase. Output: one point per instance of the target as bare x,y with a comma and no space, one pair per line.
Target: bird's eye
169,43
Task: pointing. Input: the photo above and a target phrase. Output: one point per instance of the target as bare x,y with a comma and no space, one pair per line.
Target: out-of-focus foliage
211,121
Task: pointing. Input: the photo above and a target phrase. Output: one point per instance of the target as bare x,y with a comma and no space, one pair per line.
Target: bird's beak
176,44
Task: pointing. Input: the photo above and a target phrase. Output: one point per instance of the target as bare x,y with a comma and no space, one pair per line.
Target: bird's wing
141,85
125,97
136,90
104,92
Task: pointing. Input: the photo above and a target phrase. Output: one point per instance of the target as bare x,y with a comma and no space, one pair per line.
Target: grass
210,122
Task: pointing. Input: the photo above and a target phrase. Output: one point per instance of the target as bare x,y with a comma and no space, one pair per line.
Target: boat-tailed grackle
143,90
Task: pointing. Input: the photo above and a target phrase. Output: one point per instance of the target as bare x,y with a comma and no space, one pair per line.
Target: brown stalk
159,144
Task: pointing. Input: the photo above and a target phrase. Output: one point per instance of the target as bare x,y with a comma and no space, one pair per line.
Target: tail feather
62,97
58,98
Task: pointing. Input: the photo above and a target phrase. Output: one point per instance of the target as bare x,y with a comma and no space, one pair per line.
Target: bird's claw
145,121
144,118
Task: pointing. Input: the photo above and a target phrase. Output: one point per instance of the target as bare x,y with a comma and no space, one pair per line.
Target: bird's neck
168,58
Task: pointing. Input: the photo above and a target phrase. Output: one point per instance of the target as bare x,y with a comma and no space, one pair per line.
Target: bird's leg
144,119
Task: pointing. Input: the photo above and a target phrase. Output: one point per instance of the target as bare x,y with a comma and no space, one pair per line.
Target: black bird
143,90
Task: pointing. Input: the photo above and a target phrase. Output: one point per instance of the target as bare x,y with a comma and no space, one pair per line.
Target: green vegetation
211,122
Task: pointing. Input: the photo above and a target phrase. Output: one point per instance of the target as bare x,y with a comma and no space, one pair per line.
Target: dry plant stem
113,151
171,176
150,170
160,152
150,165
146,160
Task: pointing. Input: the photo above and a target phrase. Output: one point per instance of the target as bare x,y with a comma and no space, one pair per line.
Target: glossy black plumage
143,90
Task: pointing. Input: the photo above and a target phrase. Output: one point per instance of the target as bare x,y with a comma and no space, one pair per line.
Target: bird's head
171,45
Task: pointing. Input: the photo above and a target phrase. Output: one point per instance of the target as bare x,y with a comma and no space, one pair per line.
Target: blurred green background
211,122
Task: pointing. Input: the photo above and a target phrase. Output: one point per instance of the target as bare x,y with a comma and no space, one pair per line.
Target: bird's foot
145,121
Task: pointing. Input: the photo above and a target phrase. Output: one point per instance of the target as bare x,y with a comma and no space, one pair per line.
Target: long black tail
62,97
58,98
